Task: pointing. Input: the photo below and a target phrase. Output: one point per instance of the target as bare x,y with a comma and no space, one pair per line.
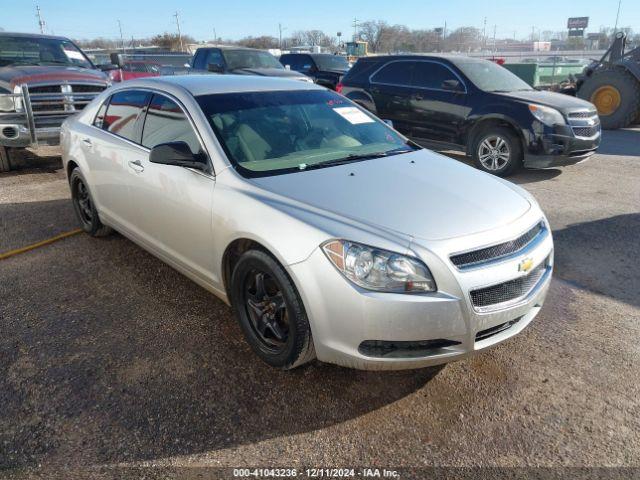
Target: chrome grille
512,291
62,99
499,251
584,123
584,114
585,131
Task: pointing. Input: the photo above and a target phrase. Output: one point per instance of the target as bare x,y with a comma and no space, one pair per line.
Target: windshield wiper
355,157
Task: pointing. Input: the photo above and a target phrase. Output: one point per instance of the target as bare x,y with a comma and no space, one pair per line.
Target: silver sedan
331,235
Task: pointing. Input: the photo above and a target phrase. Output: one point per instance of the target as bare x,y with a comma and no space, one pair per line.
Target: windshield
250,59
491,77
331,62
266,133
40,51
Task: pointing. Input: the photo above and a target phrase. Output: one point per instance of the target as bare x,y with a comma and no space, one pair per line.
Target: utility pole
494,39
355,29
40,20
177,15
615,28
121,37
215,35
484,34
444,36
280,30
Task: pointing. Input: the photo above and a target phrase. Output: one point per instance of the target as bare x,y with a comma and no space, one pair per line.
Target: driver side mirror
215,68
178,154
107,67
452,86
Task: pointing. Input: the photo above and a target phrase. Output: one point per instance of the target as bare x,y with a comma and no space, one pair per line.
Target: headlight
6,103
547,115
380,270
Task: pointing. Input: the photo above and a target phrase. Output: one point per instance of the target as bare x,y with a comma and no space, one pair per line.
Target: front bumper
558,147
345,318
18,135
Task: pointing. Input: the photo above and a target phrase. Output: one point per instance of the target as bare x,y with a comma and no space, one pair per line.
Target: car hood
11,76
559,101
421,194
268,72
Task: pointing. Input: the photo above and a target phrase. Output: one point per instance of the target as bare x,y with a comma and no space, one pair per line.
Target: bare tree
372,32
263,42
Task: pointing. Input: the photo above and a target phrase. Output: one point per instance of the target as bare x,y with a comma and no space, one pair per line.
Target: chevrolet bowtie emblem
525,265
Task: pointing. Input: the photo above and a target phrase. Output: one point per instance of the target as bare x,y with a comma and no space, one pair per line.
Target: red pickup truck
135,69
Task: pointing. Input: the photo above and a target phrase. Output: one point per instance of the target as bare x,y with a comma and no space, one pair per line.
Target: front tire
497,150
85,207
270,311
5,164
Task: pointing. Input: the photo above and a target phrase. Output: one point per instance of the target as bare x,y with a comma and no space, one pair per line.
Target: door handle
418,97
136,166
87,142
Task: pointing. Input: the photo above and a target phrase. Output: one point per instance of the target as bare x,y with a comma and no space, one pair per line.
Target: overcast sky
239,18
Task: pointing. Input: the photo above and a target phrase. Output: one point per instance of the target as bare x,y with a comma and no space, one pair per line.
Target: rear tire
616,95
85,207
270,311
497,150
5,164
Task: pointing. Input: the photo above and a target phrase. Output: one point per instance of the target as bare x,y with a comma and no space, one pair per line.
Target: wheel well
491,122
233,253
71,166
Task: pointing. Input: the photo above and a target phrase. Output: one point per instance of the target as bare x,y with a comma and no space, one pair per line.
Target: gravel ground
108,357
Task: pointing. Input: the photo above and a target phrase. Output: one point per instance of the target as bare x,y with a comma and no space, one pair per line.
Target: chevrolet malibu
331,235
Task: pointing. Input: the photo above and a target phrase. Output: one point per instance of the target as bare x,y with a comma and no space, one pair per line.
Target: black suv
325,69
241,61
454,101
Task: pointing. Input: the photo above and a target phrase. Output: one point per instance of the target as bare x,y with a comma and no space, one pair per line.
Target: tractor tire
5,164
616,94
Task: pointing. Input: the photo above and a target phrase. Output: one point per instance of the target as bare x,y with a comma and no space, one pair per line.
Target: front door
438,103
174,204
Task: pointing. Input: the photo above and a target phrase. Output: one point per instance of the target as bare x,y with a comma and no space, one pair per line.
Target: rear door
114,151
390,88
438,112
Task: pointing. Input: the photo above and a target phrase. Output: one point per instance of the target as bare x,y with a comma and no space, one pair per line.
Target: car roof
453,58
207,84
32,35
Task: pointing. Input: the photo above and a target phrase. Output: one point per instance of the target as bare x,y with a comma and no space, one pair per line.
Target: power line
41,23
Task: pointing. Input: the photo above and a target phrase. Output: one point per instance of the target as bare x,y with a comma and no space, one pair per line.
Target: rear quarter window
394,73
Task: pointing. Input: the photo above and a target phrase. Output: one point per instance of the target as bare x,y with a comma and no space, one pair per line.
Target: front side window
166,122
238,59
394,73
123,112
431,75
266,133
20,50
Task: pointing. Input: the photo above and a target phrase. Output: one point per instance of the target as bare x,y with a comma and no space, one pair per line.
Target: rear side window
123,112
166,122
430,75
394,73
